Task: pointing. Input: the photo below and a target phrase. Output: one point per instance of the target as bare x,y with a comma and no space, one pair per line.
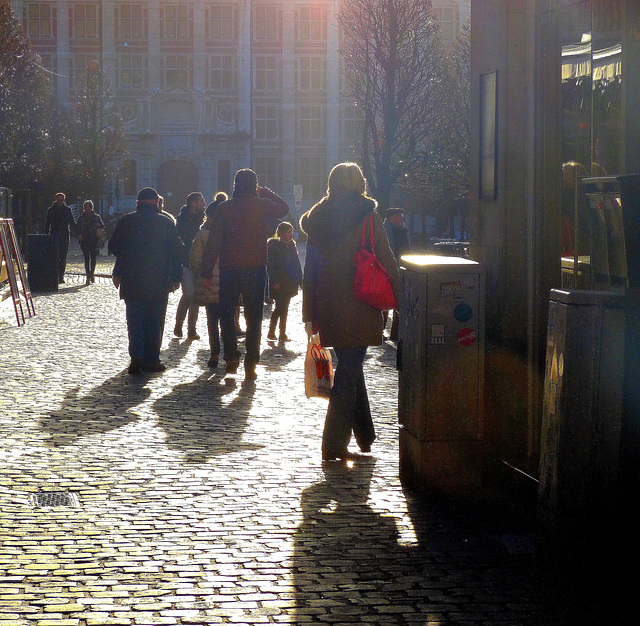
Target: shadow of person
343,549
175,352
442,563
198,423
100,410
277,357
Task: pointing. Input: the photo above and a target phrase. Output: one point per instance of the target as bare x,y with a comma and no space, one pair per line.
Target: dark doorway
176,180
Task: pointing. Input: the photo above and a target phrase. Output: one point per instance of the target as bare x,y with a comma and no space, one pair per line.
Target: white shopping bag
318,370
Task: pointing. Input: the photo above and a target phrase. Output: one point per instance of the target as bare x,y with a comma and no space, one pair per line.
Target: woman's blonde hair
346,177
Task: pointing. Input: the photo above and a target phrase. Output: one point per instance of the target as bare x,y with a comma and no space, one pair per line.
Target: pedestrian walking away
89,223
208,295
285,276
149,256
188,222
238,237
334,230
60,222
399,242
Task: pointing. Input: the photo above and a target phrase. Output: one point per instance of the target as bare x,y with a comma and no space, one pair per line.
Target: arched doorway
176,180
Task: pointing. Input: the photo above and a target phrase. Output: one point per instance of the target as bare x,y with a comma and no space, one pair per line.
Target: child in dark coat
285,276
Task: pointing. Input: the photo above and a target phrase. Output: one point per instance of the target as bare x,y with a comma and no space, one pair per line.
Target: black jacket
59,221
283,265
148,253
188,224
87,226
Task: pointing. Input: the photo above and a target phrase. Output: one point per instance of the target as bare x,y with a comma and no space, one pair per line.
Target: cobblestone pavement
203,500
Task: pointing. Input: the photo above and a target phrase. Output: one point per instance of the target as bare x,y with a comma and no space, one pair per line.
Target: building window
266,74
222,22
266,122
221,72
83,21
39,18
310,122
269,170
267,23
78,70
311,23
449,23
311,73
310,172
175,21
176,70
130,22
132,71
49,64
350,122
130,175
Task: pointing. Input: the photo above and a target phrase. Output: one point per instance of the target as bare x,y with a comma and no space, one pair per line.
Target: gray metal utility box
440,363
582,424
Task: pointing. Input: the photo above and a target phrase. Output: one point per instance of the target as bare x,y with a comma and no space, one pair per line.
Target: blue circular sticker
463,312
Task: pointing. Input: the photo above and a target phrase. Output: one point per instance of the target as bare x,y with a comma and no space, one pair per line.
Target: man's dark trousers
63,249
248,283
145,321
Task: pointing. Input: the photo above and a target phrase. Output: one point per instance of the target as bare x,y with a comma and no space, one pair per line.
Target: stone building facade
209,86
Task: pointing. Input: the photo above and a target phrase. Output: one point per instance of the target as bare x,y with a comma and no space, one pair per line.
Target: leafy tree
395,72
95,133
24,108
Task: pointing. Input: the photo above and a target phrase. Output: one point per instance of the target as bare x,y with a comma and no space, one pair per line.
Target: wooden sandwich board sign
12,258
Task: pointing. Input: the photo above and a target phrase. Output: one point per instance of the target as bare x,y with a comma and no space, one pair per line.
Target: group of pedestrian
88,229
231,248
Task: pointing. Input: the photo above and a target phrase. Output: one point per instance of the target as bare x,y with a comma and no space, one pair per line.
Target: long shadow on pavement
100,410
199,423
352,566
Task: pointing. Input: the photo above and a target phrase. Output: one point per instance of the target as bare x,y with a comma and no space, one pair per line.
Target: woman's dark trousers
90,253
280,312
348,405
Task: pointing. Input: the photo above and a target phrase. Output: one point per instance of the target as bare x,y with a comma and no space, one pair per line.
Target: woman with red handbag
339,228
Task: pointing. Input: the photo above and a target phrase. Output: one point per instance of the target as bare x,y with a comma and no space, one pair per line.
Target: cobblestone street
196,498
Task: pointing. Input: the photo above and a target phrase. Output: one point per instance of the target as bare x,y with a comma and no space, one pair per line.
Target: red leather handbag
371,284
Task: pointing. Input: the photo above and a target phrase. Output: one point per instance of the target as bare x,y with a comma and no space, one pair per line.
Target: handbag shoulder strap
372,238
369,219
364,230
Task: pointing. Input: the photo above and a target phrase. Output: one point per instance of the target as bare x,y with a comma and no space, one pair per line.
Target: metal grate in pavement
54,499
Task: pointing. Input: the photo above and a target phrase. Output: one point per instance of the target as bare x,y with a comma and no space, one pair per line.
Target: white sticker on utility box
437,334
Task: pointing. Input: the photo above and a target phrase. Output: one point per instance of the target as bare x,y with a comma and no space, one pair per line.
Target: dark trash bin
42,262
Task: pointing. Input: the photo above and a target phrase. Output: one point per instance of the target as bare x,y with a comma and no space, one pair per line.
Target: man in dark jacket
188,222
60,222
149,257
238,236
398,237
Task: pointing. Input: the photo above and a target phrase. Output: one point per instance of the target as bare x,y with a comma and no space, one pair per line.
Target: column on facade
288,100
155,57
199,53
244,79
333,88
63,53
108,41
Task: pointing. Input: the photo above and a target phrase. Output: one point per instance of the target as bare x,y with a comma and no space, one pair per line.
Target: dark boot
271,336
